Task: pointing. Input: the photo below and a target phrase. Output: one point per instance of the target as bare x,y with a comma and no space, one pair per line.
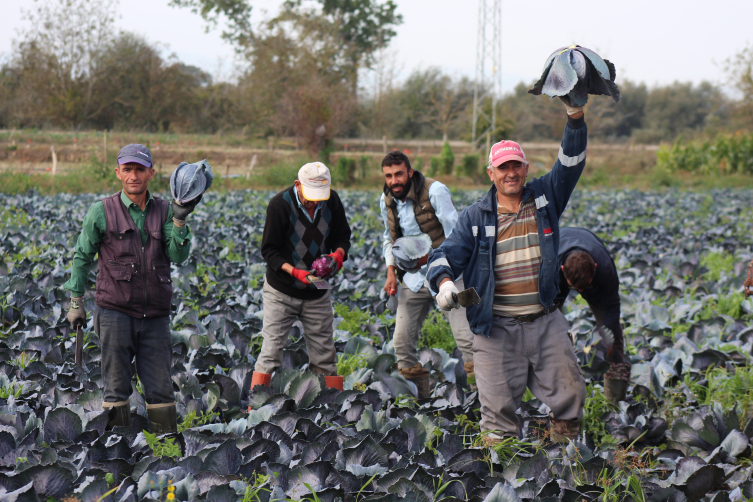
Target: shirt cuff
390,260
576,123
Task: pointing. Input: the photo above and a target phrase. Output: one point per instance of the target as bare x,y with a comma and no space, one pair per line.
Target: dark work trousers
122,337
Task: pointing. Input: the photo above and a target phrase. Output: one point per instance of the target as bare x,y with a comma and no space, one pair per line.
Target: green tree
739,69
363,27
237,13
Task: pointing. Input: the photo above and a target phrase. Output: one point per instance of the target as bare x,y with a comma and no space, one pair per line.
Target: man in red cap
505,245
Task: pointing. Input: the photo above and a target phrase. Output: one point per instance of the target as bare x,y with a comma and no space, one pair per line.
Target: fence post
384,144
105,147
54,160
251,167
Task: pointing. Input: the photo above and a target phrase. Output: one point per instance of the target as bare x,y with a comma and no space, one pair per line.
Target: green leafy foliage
193,419
596,406
470,166
724,154
162,447
347,364
436,333
446,159
716,263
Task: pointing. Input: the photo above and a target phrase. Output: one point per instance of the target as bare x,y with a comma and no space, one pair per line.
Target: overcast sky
657,41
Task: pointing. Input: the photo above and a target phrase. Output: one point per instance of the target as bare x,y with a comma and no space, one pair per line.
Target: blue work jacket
471,249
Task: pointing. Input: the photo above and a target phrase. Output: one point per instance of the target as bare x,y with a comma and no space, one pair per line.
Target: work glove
301,275
76,313
181,212
339,258
616,352
571,109
445,298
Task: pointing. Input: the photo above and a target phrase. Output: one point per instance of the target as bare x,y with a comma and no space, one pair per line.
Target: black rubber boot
120,415
615,390
423,386
163,418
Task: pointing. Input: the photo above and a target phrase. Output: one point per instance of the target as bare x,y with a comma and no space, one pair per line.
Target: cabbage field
683,433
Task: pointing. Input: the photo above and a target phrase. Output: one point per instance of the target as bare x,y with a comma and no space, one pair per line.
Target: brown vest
426,216
133,278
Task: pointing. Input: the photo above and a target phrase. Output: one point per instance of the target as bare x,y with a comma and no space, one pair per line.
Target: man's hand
616,352
76,313
390,285
181,212
445,298
339,257
572,110
300,275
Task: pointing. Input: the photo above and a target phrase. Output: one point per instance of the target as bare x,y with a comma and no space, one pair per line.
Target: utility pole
488,84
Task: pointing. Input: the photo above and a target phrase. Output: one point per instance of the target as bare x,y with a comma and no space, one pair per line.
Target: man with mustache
136,236
411,205
506,245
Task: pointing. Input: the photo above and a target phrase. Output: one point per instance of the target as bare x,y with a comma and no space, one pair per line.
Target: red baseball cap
505,151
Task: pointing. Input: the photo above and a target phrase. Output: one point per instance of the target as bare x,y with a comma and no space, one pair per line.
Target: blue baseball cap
135,153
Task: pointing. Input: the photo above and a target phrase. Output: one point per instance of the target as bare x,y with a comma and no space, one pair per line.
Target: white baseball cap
315,181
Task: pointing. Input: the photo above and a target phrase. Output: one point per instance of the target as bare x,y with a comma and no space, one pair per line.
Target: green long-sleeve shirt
177,240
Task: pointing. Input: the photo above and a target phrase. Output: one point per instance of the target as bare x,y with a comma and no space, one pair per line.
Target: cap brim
130,158
508,158
315,194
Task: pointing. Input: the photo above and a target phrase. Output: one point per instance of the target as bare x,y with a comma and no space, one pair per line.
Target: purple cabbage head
324,267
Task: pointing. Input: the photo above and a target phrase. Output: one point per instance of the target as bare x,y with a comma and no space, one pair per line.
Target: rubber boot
615,390
163,418
260,379
560,431
334,382
469,371
616,382
421,377
120,414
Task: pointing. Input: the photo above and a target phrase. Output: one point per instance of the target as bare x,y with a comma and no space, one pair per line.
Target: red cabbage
324,267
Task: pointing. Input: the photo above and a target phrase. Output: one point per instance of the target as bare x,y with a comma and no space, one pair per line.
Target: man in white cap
304,222
506,245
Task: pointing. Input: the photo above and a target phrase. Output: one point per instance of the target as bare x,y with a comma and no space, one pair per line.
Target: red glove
338,257
300,275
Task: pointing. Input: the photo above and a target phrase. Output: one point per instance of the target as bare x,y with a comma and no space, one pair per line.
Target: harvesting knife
79,347
318,282
467,297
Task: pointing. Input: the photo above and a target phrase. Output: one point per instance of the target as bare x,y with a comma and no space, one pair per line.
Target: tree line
318,69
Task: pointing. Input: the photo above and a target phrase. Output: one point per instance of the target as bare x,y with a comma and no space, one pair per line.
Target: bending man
413,205
304,222
136,236
585,266
506,246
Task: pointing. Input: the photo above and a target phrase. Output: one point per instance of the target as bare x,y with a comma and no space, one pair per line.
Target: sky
656,42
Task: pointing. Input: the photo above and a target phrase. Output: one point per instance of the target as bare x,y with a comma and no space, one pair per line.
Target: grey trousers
537,355
280,312
412,309
121,338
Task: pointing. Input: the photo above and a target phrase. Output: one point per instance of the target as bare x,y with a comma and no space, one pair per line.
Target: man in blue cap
137,236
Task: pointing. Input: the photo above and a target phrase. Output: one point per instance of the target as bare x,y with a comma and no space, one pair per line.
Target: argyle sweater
289,237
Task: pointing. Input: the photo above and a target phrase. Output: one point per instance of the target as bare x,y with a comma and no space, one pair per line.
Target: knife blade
467,297
318,282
